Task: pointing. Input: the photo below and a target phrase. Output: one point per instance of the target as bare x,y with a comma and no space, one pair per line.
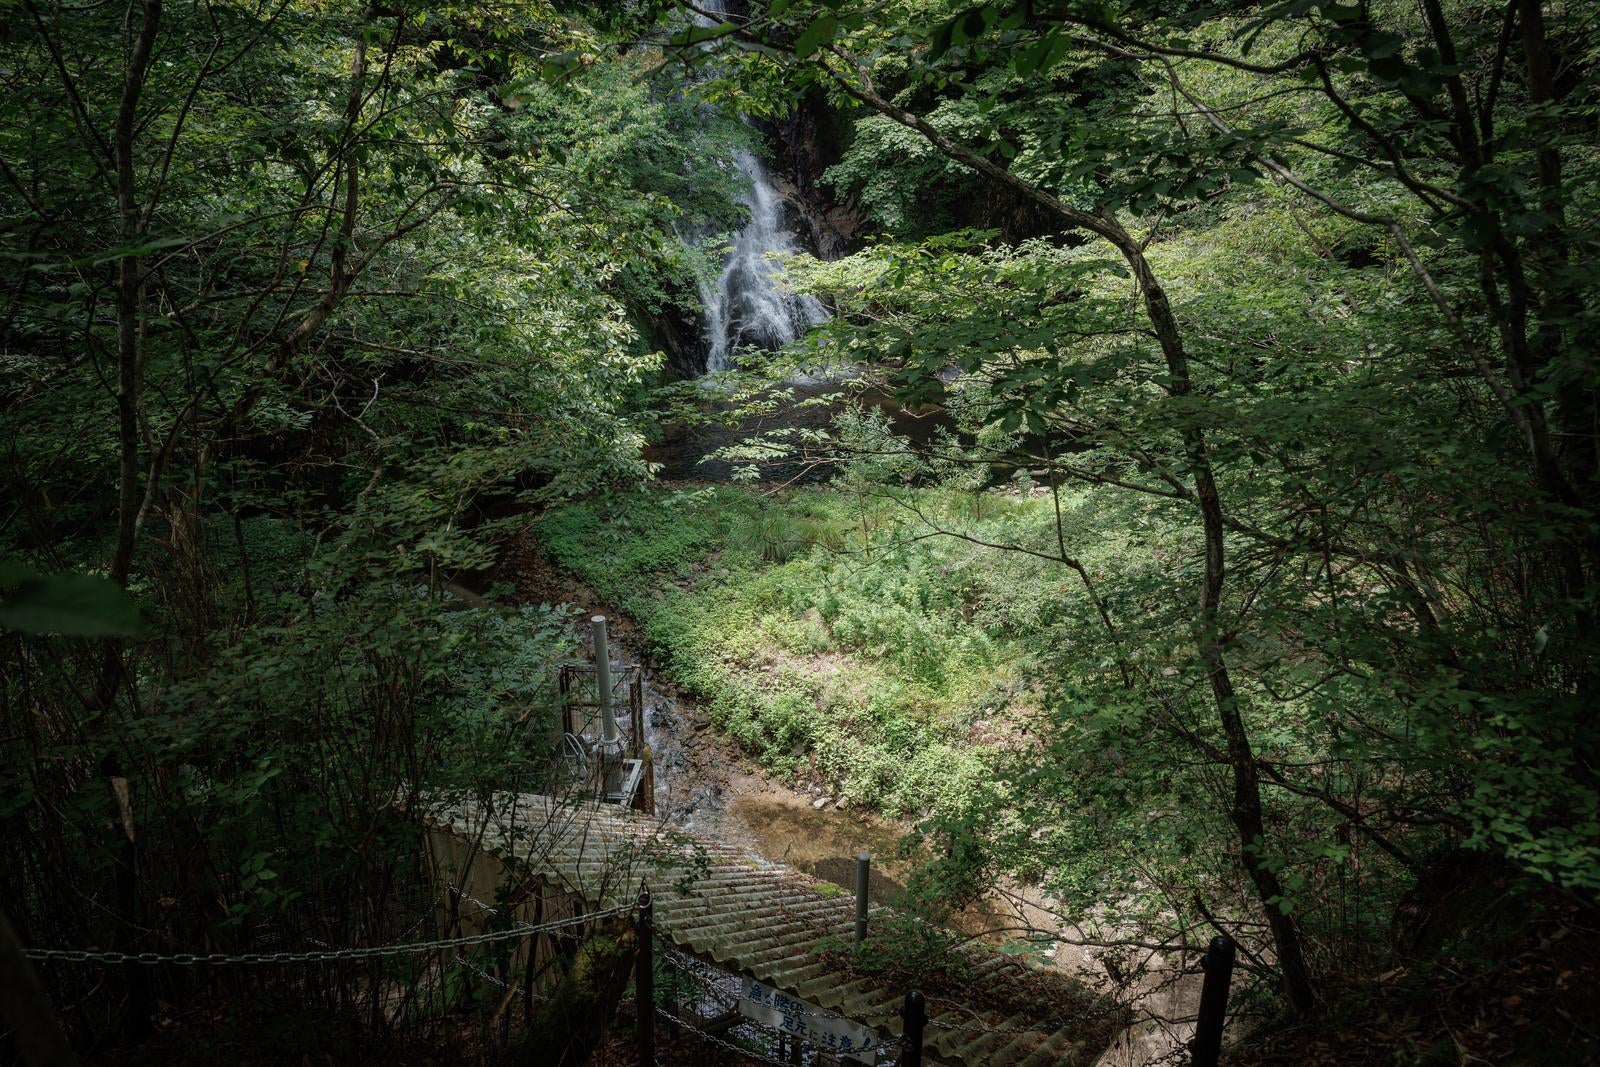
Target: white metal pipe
602,681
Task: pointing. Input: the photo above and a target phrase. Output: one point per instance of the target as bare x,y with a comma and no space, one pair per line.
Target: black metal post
1206,1047
863,882
644,986
566,699
915,1014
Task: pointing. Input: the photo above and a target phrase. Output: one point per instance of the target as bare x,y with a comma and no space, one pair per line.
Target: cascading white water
748,305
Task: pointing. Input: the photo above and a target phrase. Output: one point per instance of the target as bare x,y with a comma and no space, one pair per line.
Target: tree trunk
130,399
130,297
1246,811
27,1010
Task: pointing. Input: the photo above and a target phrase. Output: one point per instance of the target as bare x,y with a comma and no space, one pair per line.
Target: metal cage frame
578,692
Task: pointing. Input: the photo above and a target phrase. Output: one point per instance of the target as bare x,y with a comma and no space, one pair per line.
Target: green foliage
1296,289
800,642
388,286
775,536
907,186
902,947
1256,556
73,605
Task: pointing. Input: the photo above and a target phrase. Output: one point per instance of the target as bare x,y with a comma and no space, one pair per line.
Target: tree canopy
1267,333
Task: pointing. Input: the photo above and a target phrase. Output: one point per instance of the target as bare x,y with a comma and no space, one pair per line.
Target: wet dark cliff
803,146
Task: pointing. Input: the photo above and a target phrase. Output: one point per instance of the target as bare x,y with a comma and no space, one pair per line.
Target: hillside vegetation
1187,515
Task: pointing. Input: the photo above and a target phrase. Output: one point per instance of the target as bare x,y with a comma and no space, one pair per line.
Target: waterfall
747,305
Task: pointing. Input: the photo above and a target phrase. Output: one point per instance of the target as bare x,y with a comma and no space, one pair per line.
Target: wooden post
636,706
1206,1047
915,1014
610,740
644,986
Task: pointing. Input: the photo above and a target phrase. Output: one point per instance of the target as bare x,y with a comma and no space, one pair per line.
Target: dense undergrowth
366,279
936,677
310,304
828,637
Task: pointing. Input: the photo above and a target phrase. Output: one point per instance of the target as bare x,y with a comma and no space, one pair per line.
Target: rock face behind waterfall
804,145
748,306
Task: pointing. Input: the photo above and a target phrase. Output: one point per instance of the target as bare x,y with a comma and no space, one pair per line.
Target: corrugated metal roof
766,920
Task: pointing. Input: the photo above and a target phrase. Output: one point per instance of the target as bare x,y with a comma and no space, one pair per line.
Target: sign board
823,1030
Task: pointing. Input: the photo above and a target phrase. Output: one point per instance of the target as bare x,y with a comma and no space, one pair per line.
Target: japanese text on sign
777,1009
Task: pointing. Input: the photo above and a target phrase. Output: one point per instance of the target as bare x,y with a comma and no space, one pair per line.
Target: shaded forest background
1245,581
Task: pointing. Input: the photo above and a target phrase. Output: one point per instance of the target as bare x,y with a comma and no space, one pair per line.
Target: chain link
892,1045
188,959
462,894
491,979
695,969
686,962
703,974
715,1040
481,973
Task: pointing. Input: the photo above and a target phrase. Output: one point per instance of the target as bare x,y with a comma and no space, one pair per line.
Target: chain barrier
700,979
695,969
481,973
492,980
714,1039
703,974
188,959
1042,1029
489,909
462,894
